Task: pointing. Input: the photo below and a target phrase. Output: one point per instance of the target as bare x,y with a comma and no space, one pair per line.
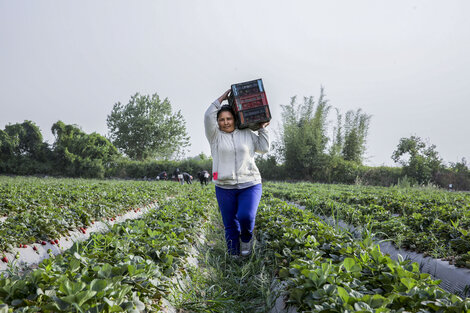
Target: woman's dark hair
227,108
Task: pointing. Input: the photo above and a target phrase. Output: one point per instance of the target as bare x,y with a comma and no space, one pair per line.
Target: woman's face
226,122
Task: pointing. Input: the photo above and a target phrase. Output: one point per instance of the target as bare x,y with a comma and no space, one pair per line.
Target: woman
236,177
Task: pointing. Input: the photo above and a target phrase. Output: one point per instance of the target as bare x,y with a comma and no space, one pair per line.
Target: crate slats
248,100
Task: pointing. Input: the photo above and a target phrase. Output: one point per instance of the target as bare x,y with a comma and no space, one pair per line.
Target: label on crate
260,85
247,88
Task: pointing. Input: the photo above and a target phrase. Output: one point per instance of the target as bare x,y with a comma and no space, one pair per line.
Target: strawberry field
172,258
429,221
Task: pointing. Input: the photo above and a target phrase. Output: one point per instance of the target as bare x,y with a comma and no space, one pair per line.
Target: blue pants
238,208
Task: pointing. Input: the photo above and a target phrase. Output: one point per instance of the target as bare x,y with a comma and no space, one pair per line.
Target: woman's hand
263,125
224,96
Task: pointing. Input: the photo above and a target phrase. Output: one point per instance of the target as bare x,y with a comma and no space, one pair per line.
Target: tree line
147,137
305,150
143,130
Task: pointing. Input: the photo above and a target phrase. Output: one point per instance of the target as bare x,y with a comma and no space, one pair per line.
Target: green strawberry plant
42,210
128,269
327,270
415,219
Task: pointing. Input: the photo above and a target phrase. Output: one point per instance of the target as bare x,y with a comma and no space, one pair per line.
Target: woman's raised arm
210,117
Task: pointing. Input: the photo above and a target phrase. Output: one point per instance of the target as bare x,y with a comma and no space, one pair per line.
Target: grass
222,283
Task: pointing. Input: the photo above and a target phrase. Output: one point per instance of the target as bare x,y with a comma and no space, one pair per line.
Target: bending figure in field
203,177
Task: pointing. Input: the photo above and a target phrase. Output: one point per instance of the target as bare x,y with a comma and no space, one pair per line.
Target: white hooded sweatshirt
233,154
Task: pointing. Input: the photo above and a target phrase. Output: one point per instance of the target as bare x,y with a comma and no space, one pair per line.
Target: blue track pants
238,208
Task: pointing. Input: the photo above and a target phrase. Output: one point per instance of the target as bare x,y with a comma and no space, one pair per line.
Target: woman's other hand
263,125
224,96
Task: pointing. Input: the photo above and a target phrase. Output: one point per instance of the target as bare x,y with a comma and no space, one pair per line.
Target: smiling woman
236,177
226,119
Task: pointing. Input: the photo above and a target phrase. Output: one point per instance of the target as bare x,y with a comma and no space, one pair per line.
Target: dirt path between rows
214,281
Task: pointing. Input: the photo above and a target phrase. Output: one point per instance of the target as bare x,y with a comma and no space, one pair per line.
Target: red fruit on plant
43,243
4,259
35,248
25,246
52,242
56,241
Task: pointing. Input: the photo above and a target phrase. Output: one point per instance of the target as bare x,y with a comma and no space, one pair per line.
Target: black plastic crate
248,100
247,88
251,118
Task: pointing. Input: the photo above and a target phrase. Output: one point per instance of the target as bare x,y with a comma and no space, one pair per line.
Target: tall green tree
356,127
459,167
22,150
303,137
338,138
146,128
419,159
350,135
81,154
7,145
26,138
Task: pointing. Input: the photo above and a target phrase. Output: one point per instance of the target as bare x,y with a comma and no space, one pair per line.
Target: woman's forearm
210,119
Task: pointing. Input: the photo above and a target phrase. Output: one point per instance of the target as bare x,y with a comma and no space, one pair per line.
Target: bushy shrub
460,180
338,170
24,165
91,168
270,170
380,176
125,168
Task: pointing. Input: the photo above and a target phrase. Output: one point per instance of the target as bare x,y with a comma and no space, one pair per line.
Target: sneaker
246,247
234,256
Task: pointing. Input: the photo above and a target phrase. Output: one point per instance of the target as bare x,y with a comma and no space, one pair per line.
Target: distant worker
162,176
178,176
203,177
187,178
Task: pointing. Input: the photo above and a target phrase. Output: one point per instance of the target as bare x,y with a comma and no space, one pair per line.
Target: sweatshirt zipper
235,154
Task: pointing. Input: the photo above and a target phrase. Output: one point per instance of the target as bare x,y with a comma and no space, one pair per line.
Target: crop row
131,268
128,269
435,223
326,270
36,210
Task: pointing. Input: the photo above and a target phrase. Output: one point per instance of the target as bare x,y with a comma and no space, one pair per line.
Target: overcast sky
406,63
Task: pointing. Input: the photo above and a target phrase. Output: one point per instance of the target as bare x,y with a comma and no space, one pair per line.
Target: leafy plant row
328,271
433,222
38,210
128,269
